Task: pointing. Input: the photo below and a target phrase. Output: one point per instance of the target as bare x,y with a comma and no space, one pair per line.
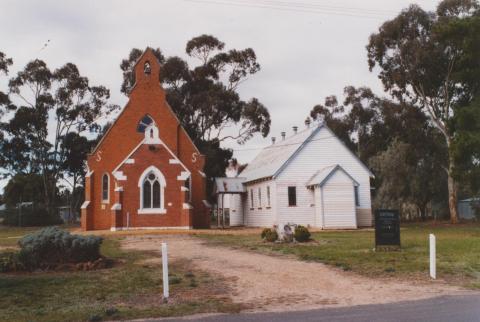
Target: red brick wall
147,97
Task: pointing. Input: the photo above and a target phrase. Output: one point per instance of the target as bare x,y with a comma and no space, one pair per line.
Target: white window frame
259,197
268,196
163,184
108,188
252,205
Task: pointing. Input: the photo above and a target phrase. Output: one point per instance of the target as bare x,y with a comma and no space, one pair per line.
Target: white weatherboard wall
339,202
261,214
236,210
322,151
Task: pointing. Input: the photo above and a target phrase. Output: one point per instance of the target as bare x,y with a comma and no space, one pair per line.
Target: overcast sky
307,49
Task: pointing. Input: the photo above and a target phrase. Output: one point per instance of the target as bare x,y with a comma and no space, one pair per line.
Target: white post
433,264
165,271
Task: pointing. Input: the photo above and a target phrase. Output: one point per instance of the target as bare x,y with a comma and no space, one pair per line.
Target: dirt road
274,283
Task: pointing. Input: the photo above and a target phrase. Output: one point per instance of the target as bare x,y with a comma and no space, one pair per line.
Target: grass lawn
131,289
458,251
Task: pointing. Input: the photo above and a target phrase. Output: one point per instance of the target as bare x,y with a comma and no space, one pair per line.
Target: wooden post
433,259
166,293
223,211
218,211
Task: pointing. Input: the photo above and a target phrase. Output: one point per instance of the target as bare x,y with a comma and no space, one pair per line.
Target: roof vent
307,122
283,135
295,129
273,140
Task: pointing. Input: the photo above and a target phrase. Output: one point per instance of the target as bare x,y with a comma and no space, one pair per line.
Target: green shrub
30,217
55,246
301,234
269,234
10,261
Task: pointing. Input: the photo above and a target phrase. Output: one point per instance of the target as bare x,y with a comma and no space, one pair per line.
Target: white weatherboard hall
310,178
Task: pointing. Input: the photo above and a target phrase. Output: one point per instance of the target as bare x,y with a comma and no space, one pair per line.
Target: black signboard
387,228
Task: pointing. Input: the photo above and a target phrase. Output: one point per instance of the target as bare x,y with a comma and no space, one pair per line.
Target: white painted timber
339,202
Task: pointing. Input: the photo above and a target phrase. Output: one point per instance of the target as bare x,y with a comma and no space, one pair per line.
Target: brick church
146,172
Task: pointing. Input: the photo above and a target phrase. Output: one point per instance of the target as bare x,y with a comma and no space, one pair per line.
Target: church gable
147,104
146,171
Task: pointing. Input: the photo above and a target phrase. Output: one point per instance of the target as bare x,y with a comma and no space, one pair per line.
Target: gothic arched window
105,187
152,186
144,122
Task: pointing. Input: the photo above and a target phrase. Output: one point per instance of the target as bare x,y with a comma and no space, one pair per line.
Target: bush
301,234
55,246
10,261
30,217
269,234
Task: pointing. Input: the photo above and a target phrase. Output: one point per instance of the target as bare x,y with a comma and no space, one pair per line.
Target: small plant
301,234
174,280
269,235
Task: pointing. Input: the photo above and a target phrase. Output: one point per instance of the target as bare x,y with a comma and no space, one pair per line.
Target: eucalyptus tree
49,105
430,60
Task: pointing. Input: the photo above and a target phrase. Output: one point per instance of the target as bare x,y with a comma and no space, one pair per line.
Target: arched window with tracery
152,186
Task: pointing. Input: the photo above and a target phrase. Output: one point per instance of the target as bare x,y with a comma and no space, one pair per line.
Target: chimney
283,136
273,140
307,122
295,129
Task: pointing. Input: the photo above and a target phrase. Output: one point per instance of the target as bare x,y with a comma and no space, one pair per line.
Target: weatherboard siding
260,215
339,202
304,212
322,151
236,210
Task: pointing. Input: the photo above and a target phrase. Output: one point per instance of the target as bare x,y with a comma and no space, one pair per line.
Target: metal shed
468,208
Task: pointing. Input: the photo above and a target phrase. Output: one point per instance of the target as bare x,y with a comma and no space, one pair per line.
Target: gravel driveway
279,283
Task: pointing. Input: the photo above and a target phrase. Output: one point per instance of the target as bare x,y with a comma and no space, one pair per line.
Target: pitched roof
229,185
322,175
271,159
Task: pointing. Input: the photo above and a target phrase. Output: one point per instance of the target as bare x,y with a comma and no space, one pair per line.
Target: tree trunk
452,186
452,196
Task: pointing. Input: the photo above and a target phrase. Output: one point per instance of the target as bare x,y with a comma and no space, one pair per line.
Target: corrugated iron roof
273,157
229,185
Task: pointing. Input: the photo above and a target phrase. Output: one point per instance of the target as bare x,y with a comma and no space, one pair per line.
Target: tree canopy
46,110
430,60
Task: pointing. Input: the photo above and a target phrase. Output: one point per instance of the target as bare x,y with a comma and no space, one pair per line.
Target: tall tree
394,139
4,99
63,100
423,60
205,96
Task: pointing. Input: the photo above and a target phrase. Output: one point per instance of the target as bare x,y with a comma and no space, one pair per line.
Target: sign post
165,271
433,257
387,228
